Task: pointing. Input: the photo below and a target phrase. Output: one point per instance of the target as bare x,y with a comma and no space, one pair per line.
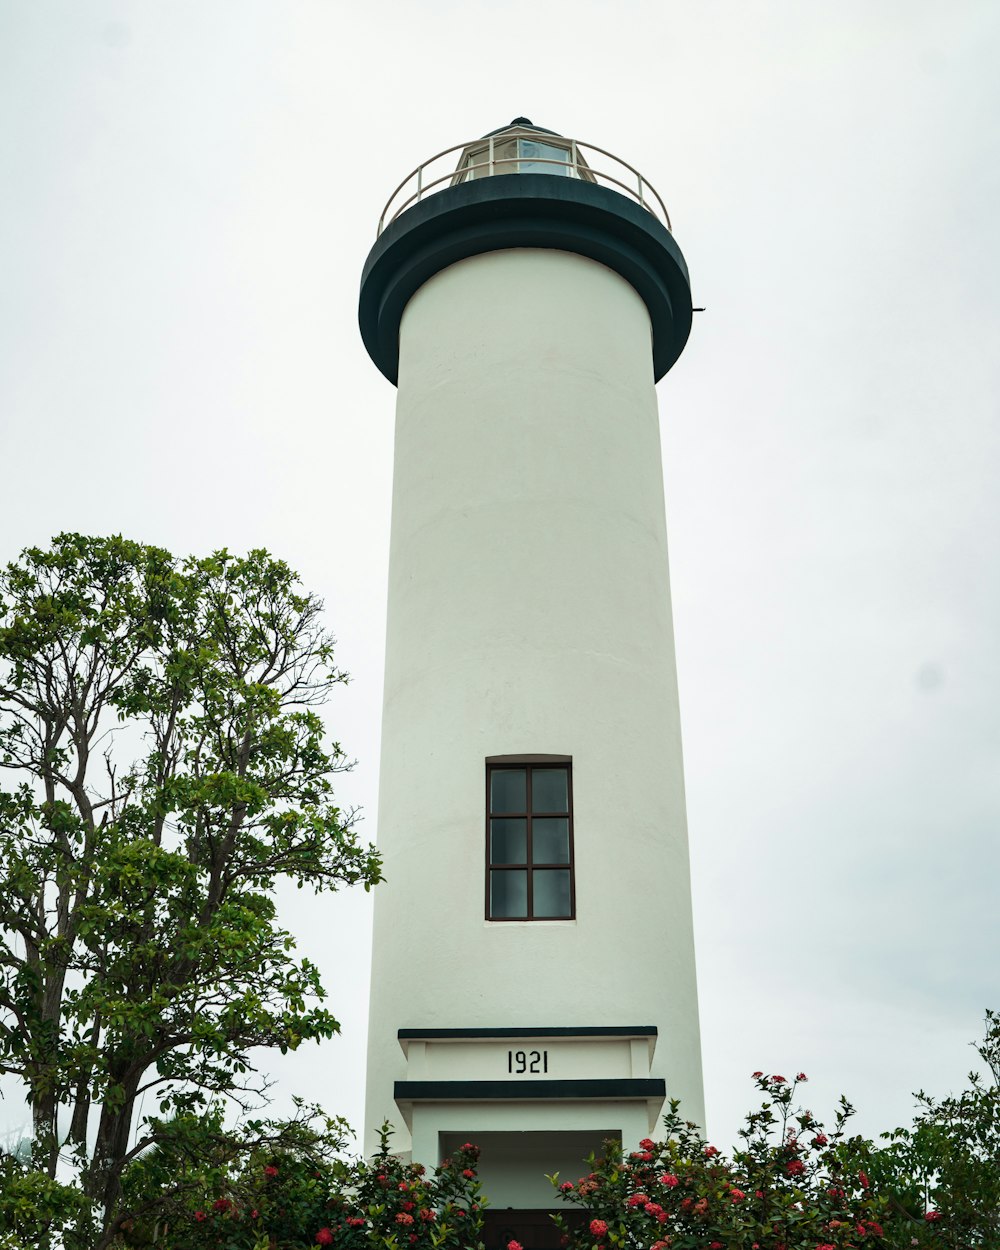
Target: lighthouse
533,972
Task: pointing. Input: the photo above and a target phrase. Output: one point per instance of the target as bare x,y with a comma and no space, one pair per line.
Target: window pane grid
512,892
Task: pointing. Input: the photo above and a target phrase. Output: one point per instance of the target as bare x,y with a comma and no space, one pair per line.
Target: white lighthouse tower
533,979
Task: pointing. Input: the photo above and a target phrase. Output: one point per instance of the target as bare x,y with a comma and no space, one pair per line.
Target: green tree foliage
164,764
942,1175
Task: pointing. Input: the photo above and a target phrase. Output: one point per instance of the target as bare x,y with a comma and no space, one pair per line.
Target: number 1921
534,1062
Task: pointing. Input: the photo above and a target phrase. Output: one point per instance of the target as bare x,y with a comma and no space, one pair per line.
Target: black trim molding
545,1030
618,1090
524,210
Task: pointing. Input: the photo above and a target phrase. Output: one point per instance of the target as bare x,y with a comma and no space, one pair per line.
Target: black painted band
643,1030
524,210
619,1089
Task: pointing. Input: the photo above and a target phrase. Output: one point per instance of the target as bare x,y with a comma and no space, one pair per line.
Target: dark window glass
551,893
550,840
508,792
509,842
509,894
529,842
549,790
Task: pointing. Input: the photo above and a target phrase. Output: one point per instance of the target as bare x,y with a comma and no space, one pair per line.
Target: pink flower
668,1178
598,1229
566,1186
324,1237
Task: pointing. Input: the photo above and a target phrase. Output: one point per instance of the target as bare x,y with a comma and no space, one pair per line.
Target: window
529,840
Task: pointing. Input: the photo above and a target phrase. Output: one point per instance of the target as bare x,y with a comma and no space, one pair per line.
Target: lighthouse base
533,1230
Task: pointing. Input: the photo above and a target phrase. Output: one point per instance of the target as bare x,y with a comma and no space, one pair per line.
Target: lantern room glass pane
508,790
550,888
549,792
537,157
509,842
509,894
550,840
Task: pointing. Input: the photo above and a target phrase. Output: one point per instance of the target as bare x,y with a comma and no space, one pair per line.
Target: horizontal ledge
600,1030
521,1091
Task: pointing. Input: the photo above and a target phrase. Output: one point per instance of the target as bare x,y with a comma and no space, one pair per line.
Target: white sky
188,191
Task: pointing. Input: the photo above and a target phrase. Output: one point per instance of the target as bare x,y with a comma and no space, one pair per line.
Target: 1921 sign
527,1062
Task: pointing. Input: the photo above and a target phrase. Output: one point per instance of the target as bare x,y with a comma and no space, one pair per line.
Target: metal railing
431,176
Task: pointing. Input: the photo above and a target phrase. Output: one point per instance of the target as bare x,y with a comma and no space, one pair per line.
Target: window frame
530,763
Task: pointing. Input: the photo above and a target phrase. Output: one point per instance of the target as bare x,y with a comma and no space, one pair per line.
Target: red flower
737,1195
468,1174
647,1143
200,1215
820,1139
566,1186
222,1204
715,1245
403,1186
668,1178
795,1167
254,1213
711,1152
324,1237
636,1200
863,1178
598,1229
514,1245
801,1076
778,1080
270,1170
404,1218
756,1075
931,1216
355,1221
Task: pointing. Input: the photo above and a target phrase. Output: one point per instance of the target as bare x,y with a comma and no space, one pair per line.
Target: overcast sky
188,191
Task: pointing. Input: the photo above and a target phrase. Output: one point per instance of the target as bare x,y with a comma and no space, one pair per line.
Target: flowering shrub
298,1199
791,1186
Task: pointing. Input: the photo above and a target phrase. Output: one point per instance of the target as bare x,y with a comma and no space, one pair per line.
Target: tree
943,1174
165,764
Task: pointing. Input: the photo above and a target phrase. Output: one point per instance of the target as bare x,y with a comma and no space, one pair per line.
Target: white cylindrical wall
529,612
